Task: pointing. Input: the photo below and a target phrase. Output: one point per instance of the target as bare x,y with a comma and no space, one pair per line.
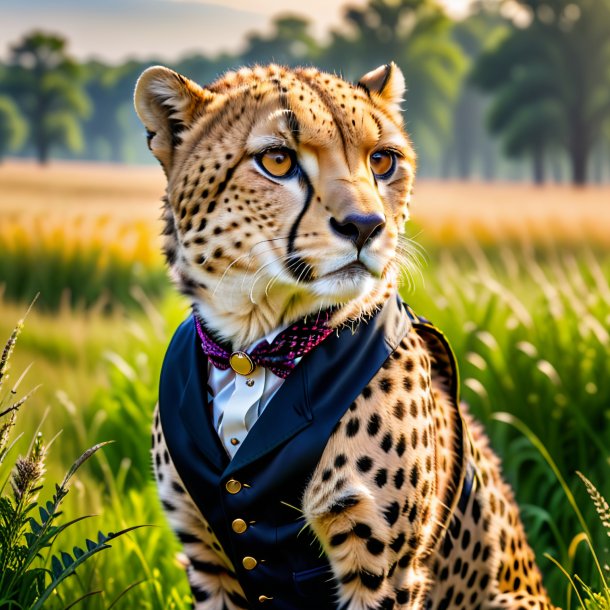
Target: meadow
518,278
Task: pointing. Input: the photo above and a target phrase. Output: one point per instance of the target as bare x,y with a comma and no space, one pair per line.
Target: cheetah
353,478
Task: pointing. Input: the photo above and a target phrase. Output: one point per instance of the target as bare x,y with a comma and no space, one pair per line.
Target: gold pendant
241,363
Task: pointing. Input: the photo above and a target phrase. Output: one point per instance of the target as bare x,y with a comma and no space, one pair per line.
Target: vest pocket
315,582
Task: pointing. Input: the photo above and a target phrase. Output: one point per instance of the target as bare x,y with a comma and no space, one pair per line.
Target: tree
469,147
290,43
416,34
47,85
13,128
551,81
110,89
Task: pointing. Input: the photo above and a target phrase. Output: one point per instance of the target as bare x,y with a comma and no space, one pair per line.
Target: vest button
263,598
249,563
239,526
233,486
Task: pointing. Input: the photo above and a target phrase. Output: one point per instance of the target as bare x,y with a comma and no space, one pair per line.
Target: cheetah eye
277,162
383,163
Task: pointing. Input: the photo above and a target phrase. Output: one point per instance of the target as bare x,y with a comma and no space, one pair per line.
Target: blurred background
508,105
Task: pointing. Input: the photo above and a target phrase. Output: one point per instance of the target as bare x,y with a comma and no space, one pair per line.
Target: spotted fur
254,252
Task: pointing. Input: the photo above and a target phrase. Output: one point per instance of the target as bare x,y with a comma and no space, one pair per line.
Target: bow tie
278,356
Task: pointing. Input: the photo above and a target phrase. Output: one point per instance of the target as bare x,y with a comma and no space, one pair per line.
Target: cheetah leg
356,556
210,573
359,556
213,586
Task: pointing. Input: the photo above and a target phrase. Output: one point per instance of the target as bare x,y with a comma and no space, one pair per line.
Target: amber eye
383,163
279,162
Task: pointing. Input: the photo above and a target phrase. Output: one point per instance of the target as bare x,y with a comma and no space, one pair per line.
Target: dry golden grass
119,197
498,211
77,205
80,189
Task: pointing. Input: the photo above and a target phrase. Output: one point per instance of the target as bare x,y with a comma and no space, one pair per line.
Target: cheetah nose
359,229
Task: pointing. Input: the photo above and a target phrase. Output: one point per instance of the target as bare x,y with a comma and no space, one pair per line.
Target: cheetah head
287,191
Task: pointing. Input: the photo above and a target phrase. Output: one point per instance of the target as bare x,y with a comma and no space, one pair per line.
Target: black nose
359,229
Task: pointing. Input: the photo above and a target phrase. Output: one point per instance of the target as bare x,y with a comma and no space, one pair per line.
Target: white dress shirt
238,400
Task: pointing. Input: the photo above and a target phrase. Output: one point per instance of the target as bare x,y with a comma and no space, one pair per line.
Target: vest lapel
325,382
193,403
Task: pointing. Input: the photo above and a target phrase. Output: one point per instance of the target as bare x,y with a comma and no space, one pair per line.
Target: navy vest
265,481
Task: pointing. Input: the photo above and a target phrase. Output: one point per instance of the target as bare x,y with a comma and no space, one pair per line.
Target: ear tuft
387,82
167,103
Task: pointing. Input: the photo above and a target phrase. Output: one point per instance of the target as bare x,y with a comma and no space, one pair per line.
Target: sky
113,30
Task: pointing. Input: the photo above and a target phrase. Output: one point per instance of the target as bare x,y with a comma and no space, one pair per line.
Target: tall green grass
115,487
91,263
530,330
34,561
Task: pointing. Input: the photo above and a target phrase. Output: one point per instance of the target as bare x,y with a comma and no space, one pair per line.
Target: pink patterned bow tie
279,356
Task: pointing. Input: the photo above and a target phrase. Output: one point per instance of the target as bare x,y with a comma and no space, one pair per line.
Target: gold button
233,486
241,363
234,441
263,598
249,563
239,526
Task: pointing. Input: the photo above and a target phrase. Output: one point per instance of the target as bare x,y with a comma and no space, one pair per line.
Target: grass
32,564
529,327
116,482
90,263
80,235
523,295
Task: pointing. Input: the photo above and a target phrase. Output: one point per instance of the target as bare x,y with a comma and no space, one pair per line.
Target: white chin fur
342,289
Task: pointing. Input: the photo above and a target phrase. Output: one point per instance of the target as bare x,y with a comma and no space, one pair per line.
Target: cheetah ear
387,82
167,103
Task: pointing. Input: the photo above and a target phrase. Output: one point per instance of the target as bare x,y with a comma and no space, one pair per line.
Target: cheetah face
287,189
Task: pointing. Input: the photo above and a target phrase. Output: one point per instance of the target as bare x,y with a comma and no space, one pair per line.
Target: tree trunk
446,163
578,157
489,159
538,167
464,162
42,149
579,152
597,172
41,137
556,170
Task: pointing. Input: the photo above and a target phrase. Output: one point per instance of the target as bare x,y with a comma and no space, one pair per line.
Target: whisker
410,258
235,261
248,267
264,241
261,268
222,277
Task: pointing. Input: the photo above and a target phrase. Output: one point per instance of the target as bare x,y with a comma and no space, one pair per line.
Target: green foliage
117,484
13,128
47,84
416,34
29,528
470,148
594,600
73,265
111,89
548,76
530,330
133,377
591,599
551,81
290,43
